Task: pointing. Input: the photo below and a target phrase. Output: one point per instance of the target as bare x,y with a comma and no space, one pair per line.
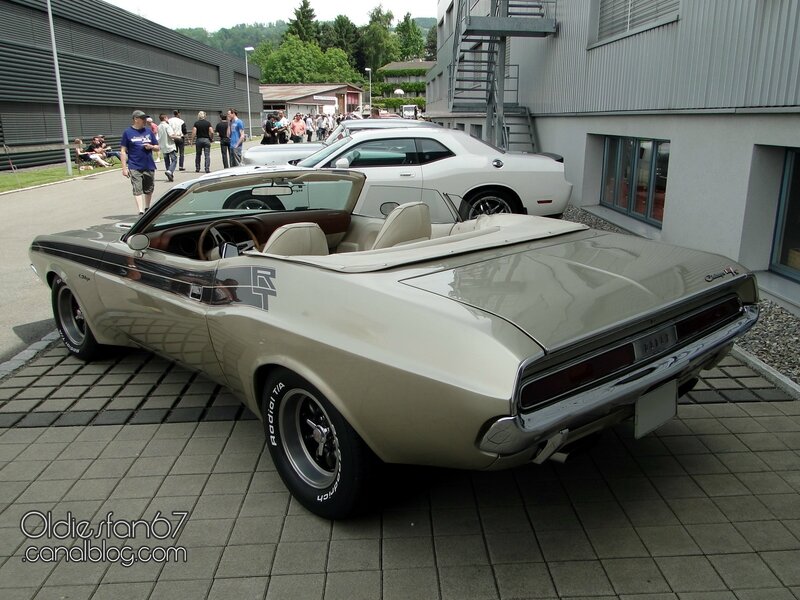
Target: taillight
545,389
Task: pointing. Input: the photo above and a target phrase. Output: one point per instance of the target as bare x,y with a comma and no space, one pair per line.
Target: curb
780,380
14,363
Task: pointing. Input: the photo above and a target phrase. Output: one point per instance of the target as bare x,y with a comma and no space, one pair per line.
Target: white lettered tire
322,460
71,323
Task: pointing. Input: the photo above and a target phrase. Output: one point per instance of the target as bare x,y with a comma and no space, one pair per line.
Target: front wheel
321,459
486,203
71,323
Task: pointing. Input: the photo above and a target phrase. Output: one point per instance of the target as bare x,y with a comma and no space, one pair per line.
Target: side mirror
138,242
342,163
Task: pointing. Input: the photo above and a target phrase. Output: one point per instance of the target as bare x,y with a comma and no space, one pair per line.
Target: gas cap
497,163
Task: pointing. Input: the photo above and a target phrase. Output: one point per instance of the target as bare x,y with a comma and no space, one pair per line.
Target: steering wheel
220,239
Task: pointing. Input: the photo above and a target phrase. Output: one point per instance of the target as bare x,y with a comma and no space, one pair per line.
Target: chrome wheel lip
298,429
488,205
73,323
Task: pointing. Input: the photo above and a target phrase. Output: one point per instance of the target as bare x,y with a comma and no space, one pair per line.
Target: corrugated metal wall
719,54
111,61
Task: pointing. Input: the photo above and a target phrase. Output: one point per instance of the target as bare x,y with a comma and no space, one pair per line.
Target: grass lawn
24,178
33,176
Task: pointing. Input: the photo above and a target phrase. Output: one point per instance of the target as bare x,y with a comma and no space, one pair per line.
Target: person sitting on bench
87,156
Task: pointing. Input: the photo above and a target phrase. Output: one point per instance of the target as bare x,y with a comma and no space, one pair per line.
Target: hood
562,293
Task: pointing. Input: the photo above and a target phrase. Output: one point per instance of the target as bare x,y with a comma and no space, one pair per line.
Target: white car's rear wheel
486,203
320,457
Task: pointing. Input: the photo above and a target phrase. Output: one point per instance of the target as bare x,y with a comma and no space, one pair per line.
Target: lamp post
61,110
247,77
368,70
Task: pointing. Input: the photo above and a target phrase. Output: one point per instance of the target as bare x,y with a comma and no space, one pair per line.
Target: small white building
677,119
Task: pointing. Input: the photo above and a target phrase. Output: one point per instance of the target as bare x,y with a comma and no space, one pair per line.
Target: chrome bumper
514,434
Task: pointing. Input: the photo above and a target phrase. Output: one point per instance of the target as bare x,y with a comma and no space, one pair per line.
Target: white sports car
489,180
283,154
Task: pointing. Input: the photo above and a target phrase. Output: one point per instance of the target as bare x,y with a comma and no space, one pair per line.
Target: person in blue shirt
136,148
236,128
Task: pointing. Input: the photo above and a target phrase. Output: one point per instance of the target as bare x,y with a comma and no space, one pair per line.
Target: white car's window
431,151
323,153
394,152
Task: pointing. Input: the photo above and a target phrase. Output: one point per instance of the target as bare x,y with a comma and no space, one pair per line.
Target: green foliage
234,40
394,104
430,44
304,25
296,61
409,39
425,23
343,34
388,88
384,73
378,46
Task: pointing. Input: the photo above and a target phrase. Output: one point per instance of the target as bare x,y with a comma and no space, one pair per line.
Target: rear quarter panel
417,375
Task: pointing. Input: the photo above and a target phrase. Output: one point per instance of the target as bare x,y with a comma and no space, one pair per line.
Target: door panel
159,300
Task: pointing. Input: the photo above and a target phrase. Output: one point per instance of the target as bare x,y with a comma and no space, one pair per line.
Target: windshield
232,197
322,154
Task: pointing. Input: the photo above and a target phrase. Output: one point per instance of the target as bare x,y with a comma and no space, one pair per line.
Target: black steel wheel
322,460
71,323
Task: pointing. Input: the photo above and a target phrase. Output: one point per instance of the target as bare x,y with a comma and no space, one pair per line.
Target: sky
190,13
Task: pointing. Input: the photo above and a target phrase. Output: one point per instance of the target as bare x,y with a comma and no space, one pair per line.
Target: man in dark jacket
224,140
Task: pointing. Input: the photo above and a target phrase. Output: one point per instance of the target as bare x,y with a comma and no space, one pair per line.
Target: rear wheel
488,202
71,323
321,459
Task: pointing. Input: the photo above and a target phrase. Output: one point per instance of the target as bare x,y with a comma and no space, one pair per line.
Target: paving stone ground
706,507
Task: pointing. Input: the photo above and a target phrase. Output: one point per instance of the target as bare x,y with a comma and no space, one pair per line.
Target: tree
430,44
378,44
296,61
343,34
409,38
304,25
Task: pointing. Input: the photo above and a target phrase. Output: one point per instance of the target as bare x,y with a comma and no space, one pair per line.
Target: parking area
706,507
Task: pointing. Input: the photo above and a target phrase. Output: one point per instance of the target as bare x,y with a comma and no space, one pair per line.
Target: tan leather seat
297,239
405,224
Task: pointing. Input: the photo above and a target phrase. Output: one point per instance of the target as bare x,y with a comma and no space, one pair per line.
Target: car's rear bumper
517,434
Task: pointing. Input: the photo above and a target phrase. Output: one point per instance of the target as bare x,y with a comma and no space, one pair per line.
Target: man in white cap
137,146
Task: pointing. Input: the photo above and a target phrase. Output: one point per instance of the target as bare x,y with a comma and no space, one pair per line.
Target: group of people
280,130
97,152
144,140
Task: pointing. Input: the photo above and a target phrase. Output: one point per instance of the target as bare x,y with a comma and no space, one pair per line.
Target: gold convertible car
397,332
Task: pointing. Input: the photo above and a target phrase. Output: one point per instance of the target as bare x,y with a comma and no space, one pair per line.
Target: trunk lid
559,294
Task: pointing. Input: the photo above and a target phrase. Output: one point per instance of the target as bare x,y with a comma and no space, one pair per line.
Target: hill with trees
306,50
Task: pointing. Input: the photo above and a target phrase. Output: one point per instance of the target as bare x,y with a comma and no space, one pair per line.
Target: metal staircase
481,80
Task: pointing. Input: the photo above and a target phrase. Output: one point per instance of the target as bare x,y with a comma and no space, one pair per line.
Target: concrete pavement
707,507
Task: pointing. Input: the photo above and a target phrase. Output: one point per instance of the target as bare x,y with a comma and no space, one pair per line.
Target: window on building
786,245
619,17
635,177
